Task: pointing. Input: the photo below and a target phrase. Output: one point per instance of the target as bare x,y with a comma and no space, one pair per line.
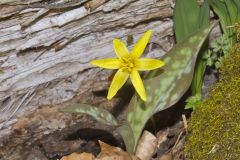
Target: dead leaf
166,157
79,156
147,146
162,136
113,153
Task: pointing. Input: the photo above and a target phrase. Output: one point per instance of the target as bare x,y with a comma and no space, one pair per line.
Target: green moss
215,126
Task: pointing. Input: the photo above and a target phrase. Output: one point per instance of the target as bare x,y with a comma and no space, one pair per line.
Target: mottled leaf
126,132
99,114
166,89
188,18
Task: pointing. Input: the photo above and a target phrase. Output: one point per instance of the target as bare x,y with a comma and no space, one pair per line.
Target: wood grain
45,54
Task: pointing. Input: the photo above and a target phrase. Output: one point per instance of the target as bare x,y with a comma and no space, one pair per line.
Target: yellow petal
118,81
138,84
120,48
144,64
139,48
109,63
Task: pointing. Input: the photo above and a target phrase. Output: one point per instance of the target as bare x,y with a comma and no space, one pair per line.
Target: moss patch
215,126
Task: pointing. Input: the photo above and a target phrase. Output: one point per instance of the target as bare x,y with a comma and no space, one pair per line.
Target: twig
179,136
185,123
181,133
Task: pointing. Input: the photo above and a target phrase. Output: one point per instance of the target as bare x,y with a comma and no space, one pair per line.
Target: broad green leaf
99,114
204,20
204,15
185,18
237,3
197,82
232,10
221,10
167,88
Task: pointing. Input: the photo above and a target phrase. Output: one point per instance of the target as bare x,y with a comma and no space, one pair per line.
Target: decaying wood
45,49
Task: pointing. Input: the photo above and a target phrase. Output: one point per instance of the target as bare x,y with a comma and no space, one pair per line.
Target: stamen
128,64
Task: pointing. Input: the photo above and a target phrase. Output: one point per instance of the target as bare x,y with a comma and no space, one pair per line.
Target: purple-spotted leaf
165,89
126,132
97,113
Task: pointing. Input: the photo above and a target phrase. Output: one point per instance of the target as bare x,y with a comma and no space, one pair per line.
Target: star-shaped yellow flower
129,64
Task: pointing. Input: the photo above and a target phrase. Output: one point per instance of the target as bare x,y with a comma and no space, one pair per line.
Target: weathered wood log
45,49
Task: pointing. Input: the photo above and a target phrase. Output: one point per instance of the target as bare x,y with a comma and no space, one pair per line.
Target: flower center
128,64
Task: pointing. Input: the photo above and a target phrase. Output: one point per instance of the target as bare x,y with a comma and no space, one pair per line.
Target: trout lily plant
165,86
128,65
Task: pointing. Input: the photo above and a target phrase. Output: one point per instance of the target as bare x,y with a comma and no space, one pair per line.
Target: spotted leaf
168,85
99,114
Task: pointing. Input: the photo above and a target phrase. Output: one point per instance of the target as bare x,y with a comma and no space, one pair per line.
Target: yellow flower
129,64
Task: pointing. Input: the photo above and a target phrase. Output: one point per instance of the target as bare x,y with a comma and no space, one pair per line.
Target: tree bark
45,49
